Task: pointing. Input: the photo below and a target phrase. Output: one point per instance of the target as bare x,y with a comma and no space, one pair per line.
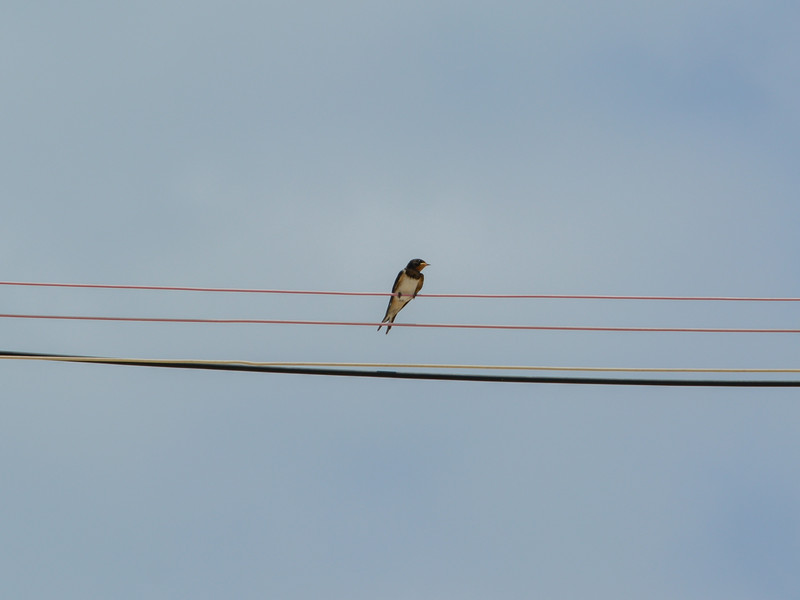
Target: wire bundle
357,369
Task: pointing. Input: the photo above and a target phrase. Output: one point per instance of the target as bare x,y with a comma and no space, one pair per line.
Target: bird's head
417,264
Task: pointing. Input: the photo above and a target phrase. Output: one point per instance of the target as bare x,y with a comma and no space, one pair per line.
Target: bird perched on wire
406,287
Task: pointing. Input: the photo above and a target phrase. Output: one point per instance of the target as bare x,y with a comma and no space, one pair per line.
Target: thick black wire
424,376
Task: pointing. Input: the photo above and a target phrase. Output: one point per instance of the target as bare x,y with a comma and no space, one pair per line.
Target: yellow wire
111,360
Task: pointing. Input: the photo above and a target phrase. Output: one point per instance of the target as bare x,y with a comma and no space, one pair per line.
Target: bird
406,287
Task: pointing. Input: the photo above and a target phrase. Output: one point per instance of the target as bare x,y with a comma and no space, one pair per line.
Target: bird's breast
407,286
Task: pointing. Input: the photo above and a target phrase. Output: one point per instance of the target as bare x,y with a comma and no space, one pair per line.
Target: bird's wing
397,281
419,284
393,298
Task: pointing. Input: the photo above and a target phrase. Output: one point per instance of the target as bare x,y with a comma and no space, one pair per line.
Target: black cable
409,375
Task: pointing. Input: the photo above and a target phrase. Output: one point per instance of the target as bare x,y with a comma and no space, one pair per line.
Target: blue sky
517,147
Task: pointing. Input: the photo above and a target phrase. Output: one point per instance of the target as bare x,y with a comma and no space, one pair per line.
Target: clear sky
519,147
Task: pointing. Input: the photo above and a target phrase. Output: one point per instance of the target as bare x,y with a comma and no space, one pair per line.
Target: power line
373,365
306,370
424,325
338,293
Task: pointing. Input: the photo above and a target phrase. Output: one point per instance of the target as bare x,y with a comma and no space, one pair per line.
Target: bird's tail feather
387,319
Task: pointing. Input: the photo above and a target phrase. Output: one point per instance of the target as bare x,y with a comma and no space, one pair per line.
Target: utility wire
334,293
374,365
316,370
426,325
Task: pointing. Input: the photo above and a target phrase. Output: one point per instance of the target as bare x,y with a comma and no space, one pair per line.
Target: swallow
406,287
